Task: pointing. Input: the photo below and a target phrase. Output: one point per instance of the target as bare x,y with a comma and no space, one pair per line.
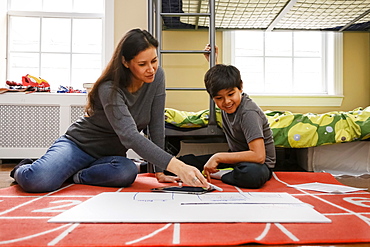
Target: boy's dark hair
221,77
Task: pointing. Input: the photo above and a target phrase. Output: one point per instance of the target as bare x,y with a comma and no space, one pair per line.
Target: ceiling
341,15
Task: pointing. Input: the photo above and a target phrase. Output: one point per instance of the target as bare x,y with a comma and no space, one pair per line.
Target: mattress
350,159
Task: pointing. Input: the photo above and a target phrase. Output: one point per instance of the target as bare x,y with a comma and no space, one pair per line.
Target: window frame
334,95
107,29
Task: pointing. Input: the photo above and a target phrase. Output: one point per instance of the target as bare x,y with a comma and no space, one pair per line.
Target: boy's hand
163,178
208,49
210,167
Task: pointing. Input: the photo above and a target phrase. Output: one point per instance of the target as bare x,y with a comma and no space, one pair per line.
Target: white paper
322,187
244,198
142,207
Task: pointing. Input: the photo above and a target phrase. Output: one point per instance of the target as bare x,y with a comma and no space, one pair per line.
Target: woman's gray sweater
118,119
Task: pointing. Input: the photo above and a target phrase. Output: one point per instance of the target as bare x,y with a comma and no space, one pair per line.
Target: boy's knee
251,176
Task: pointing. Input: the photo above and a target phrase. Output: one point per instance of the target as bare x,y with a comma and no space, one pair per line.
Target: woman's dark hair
221,77
134,42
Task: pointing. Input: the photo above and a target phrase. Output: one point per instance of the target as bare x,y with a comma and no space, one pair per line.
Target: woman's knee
125,171
37,182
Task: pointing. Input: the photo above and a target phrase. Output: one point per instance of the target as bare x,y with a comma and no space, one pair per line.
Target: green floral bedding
294,130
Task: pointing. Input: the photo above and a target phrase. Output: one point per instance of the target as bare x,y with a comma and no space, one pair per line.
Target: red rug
24,216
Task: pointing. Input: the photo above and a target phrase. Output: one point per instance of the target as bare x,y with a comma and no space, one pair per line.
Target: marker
215,187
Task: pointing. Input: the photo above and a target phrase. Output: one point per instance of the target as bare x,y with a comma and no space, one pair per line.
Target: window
59,41
285,68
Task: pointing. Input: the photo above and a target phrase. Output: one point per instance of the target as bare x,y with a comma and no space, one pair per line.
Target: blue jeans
65,159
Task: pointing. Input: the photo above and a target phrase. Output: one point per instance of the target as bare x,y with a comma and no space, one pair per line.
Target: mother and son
128,97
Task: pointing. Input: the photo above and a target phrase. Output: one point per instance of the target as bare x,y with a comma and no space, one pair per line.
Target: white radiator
30,123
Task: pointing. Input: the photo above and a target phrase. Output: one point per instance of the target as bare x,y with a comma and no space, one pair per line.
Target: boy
249,137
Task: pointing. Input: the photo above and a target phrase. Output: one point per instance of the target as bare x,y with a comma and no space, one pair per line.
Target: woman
128,97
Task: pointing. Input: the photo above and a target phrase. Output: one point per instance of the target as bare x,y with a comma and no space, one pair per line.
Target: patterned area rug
24,216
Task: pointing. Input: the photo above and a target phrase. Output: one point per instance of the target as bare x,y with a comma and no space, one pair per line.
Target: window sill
298,100
38,98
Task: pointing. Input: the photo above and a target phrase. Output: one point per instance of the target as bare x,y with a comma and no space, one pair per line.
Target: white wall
3,36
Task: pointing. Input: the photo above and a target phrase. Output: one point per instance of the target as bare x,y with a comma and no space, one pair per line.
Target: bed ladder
155,27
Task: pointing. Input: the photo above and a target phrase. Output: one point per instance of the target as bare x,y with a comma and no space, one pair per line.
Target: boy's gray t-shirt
246,124
117,122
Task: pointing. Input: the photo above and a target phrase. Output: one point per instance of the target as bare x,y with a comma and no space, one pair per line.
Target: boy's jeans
65,159
245,174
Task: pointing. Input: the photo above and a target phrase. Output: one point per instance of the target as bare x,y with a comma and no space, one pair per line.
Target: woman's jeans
65,159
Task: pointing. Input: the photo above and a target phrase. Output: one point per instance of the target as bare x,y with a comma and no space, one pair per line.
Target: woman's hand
188,174
163,178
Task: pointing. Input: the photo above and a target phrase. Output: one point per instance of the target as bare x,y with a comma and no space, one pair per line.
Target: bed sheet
293,130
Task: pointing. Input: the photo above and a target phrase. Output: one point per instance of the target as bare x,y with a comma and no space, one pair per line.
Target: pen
215,187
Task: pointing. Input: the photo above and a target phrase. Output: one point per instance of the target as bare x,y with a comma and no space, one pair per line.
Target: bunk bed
349,15
347,130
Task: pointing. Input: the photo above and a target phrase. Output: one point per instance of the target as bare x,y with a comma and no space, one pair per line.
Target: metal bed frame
155,27
271,15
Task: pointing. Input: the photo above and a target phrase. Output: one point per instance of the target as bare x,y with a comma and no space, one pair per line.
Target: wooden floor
360,182
5,179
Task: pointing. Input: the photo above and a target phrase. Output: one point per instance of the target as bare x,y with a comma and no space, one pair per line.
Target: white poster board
329,188
142,207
